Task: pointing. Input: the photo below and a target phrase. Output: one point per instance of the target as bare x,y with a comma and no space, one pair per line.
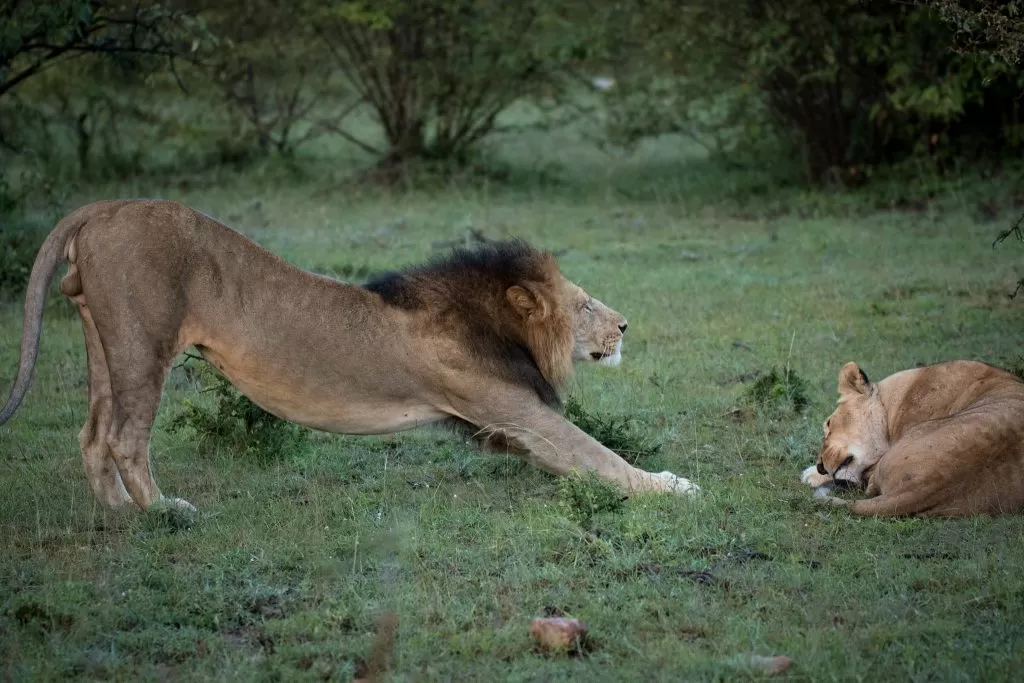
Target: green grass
292,561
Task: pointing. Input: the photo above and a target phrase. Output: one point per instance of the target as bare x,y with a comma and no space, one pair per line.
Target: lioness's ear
526,302
853,380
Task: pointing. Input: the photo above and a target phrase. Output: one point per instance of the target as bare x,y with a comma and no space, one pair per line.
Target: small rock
558,634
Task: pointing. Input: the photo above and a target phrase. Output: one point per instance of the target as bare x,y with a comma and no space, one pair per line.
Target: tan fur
945,440
154,277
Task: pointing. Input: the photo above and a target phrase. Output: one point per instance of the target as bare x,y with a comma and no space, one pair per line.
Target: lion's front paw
812,477
666,481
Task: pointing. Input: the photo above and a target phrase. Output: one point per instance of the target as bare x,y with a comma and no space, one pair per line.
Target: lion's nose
821,468
623,326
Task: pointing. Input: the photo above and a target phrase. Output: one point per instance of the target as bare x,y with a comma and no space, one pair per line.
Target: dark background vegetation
843,89
830,94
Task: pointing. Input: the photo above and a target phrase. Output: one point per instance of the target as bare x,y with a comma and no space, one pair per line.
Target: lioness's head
857,433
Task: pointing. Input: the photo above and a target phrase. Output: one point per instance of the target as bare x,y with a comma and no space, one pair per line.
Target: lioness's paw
666,481
812,477
824,494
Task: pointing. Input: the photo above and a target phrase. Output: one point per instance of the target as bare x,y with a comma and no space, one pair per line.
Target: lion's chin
601,357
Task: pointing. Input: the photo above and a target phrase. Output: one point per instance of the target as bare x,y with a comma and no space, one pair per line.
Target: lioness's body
945,440
154,277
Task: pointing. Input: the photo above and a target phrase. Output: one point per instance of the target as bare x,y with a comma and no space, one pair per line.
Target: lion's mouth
597,355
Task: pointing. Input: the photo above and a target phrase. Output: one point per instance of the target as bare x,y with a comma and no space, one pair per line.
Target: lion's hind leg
100,467
137,375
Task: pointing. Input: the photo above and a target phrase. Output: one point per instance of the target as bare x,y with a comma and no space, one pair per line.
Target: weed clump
582,495
619,434
1016,367
236,421
779,390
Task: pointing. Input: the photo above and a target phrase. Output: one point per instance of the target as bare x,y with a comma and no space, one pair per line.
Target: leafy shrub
620,434
584,494
17,252
20,240
845,86
1016,367
436,74
775,390
236,421
272,72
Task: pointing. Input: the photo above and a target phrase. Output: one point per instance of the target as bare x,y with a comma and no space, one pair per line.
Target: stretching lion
486,337
944,440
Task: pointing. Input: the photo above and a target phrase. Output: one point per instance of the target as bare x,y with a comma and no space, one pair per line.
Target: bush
236,421
437,73
582,495
779,391
619,434
18,247
271,71
20,239
843,85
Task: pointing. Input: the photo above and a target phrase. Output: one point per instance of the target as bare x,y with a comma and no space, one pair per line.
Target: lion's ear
526,302
853,380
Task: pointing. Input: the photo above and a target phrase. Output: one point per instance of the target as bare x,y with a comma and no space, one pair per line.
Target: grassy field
292,561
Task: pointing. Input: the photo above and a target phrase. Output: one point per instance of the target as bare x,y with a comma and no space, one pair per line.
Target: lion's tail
49,258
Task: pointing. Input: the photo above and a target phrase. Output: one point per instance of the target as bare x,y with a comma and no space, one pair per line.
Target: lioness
486,337
946,439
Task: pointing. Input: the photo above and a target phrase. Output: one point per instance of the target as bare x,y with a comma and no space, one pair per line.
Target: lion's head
565,320
597,330
857,433
511,306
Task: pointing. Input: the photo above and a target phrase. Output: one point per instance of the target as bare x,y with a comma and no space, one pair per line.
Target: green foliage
437,73
35,36
272,72
844,86
779,391
18,247
237,422
582,495
620,434
20,239
1016,367
71,77
992,28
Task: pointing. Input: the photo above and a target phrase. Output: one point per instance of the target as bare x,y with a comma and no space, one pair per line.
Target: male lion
946,440
486,337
